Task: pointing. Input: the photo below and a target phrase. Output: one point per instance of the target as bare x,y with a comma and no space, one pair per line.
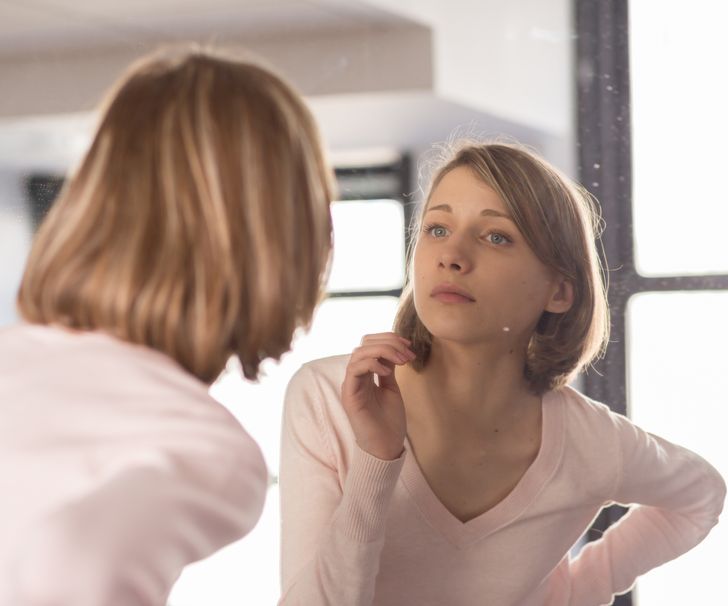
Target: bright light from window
679,98
369,251
677,389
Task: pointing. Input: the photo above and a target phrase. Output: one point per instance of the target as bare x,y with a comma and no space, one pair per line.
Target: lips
451,293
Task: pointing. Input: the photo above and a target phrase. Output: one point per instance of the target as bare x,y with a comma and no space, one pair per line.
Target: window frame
401,169
604,144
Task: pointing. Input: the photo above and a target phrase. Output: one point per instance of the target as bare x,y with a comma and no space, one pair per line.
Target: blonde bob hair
560,221
198,223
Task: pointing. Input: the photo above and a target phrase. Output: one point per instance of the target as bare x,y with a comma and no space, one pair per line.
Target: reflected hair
197,224
561,223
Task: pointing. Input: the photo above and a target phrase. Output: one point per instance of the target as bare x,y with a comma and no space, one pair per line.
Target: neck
469,387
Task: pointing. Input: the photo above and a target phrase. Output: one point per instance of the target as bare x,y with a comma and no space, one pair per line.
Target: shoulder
592,425
322,373
593,421
91,362
317,385
592,444
135,401
583,413
119,410
313,405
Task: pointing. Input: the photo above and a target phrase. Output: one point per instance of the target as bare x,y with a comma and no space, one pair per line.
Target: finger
392,340
389,381
397,353
367,366
363,371
385,335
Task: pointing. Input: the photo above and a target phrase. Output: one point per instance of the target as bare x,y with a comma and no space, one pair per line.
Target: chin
463,328
452,329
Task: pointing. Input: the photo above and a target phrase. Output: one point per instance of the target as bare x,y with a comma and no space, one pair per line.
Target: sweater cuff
367,494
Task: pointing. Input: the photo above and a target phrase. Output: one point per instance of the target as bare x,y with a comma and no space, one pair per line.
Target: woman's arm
677,499
126,542
332,535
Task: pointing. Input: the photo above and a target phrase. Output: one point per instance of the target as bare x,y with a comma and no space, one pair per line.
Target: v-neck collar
538,474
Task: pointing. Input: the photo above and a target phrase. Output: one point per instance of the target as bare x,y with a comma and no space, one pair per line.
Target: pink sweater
116,470
359,531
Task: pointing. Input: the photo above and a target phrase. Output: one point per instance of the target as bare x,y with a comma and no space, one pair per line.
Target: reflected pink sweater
116,470
358,531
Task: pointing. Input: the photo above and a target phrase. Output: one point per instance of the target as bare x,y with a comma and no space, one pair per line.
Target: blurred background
627,97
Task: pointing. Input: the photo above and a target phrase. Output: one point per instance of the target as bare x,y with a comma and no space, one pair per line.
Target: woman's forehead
460,189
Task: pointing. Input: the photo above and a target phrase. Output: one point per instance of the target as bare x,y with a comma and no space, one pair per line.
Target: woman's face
475,277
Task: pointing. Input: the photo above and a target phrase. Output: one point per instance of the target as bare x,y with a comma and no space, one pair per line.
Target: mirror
384,78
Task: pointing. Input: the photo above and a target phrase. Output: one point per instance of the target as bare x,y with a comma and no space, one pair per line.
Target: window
646,151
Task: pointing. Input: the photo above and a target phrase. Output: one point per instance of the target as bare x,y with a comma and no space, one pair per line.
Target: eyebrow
488,212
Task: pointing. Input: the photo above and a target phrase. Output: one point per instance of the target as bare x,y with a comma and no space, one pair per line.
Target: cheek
421,285
532,297
418,290
417,254
418,263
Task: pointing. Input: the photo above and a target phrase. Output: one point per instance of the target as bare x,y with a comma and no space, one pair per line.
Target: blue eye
437,231
497,238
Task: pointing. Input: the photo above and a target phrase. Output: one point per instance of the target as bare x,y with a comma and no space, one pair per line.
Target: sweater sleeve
332,534
126,542
676,498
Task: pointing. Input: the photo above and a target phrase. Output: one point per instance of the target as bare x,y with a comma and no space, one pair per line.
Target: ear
562,296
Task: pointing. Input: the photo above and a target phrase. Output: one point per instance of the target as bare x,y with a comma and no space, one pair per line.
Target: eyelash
429,228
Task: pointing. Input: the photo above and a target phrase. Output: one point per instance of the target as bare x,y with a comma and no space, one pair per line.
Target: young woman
448,463
197,228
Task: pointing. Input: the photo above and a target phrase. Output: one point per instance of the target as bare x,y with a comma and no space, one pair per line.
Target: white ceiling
36,34
37,26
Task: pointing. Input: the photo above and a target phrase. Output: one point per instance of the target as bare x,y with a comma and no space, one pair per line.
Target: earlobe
562,298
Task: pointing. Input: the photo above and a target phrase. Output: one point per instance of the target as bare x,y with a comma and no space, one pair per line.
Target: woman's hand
375,409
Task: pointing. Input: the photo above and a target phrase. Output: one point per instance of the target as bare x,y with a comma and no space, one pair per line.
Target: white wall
414,73
498,66
511,59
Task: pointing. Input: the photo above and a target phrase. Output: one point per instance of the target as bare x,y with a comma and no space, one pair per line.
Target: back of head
197,224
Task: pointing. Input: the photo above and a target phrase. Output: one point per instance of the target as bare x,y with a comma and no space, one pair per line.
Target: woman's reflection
448,462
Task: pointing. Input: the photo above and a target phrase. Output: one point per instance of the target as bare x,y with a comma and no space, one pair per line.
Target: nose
454,258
